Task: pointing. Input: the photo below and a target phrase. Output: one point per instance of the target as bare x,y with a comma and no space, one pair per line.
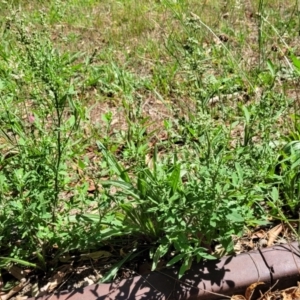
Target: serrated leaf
235,217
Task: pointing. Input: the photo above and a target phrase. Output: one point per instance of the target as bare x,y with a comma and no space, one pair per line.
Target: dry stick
270,268
98,276
268,290
15,289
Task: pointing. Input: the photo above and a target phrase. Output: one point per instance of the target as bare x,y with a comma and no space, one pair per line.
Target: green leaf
174,179
142,185
234,179
206,255
212,223
25,263
87,217
235,217
274,194
246,114
113,271
175,259
296,61
126,187
71,121
185,266
160,252
155,161
296,163
239,171
81,164
116,167
41,260
112,232
2,85
271,68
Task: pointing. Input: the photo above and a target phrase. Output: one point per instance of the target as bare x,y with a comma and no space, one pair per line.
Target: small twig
271,269
268,290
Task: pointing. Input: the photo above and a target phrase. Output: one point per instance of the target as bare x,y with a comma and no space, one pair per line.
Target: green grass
168,124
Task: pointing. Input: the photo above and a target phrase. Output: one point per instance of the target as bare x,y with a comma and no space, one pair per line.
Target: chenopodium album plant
39,114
